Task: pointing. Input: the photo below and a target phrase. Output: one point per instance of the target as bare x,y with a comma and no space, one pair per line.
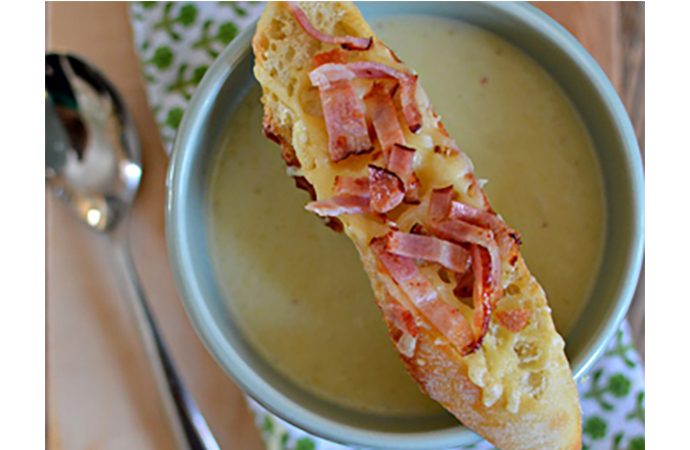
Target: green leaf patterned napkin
176,43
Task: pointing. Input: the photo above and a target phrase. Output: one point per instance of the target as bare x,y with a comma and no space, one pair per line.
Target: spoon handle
191,428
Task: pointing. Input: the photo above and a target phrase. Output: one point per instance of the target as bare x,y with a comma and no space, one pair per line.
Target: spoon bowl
93,156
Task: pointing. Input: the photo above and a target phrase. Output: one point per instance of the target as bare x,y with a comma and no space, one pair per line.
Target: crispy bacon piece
408,101
507,238
334,56
513,319
447,320
412,191
476,216
373,70
343,111
386,190
482,292
440,203
401,162
462,232
461,223
334,224
346,125
351,186
304,184
464,284
381,110
442,206
408,88
287,151
339,205
346,42
417,228
328,73
428,248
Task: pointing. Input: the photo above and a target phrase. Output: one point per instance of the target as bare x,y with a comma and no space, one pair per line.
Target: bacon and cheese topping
369,108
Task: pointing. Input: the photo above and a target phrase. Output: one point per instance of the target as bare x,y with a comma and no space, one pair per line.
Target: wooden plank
596,26
632,92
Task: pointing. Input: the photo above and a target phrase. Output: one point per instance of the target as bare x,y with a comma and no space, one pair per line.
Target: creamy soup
298,288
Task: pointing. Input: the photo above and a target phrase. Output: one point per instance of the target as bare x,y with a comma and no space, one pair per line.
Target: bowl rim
594,350
270,398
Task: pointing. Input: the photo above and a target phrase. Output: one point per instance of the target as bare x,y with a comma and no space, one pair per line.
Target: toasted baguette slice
516,389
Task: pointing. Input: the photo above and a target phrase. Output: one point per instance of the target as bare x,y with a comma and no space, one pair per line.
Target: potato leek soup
298,289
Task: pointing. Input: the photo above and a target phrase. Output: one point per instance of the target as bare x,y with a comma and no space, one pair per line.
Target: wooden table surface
100,392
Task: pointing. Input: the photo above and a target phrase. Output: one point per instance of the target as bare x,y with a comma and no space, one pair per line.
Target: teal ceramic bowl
201,135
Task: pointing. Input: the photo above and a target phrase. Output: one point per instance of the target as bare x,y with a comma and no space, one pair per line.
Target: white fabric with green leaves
176,43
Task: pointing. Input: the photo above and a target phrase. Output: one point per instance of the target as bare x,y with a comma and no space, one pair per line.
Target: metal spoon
93,164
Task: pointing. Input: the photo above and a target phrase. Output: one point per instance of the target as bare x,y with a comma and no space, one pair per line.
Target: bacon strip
412,190
346,124
351,186
462,232
417,228
346,42
304,184
401,162
373,70
440,203
448,320
481,295
506,237
442,206
428,248
330,72
339,205
343,111
334,56
464,284
384,117
386,190
408,101
514,319
477,216
408,88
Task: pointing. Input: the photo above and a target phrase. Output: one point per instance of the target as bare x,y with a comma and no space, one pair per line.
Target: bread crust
548,416
441,374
